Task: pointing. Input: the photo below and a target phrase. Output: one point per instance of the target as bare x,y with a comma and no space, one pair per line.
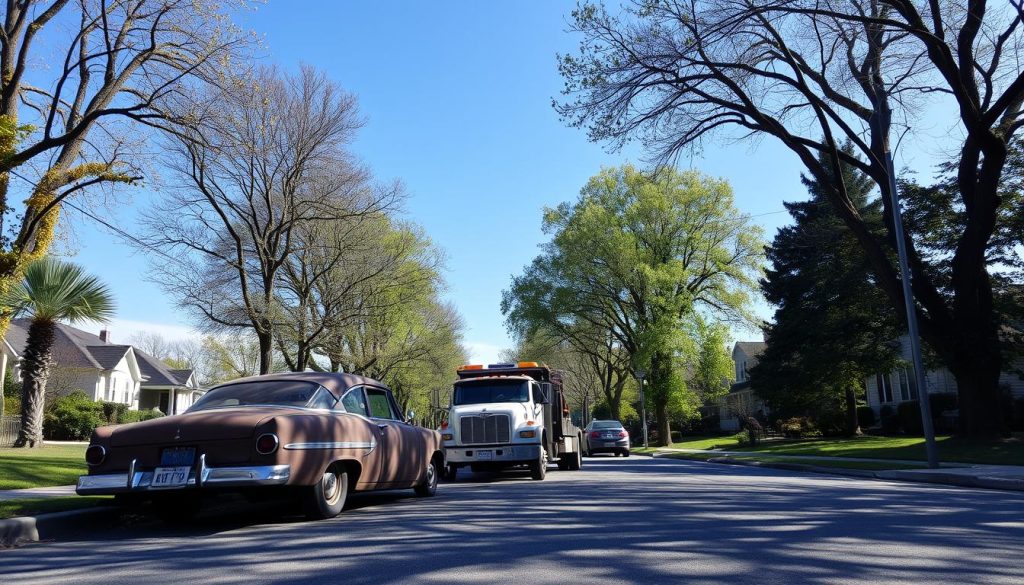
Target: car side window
380,406
354,401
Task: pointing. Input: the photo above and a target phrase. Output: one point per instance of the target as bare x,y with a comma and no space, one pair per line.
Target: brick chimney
105,335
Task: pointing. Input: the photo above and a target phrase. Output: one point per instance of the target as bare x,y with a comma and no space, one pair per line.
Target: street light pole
908,302
640,374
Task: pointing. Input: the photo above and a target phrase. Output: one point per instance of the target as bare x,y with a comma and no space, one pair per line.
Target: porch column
172,401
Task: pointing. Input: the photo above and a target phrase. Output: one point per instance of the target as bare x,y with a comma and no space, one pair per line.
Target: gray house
104,370
741,399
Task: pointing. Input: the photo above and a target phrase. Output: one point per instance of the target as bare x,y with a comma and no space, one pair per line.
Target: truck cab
509,415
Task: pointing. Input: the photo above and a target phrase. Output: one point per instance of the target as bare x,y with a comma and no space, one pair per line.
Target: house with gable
104,370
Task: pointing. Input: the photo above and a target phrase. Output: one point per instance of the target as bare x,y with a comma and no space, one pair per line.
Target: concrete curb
16,531
936,477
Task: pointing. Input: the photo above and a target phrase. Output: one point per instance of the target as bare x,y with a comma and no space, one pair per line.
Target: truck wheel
429,486
539,467
327,497
576,460
449,473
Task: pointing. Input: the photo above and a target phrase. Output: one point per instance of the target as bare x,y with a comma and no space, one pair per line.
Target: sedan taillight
95,454
595,435
623,434
266,444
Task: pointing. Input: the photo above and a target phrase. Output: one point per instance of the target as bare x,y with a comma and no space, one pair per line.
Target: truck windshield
484,392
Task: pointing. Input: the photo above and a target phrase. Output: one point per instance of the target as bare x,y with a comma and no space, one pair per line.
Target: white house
900,385
741,399
105,371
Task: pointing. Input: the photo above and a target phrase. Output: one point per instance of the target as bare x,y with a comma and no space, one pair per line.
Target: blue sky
457,98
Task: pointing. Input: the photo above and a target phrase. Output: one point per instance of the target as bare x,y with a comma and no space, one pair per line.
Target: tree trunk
977,382
661,390
35,369
852,424
266,351
664,432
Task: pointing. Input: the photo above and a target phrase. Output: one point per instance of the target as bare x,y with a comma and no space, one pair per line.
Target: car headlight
527,434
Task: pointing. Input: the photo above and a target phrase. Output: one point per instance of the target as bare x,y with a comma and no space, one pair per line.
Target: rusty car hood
203,425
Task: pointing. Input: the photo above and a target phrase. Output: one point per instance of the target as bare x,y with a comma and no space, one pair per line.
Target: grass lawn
951,449
868,465
41,467
33,506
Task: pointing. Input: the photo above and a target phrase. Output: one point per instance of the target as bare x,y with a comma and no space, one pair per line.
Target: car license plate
485,455
609,436
177,456
167,477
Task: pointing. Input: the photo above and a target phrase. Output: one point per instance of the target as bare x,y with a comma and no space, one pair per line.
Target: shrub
865,416
1018,414
754,431
889,420
114,412
72,418
909,415
677,437
12,405
712,424
798,427
131,416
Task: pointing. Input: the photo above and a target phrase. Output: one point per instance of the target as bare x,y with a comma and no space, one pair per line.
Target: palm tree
52,291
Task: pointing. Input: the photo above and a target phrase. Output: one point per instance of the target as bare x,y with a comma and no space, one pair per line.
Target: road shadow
618,520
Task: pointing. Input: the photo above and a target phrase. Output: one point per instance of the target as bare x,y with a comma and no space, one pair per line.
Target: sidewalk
39,492
1003,477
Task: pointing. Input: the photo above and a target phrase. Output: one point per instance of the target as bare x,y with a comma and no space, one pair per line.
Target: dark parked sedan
314,436
606,436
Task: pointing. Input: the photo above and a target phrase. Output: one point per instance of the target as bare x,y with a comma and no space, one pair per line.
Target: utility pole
640,374
908,300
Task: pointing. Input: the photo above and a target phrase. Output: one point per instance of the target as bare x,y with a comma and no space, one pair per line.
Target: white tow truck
507,415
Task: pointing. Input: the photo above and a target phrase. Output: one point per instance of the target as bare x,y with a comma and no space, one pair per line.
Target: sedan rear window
266,392
606,424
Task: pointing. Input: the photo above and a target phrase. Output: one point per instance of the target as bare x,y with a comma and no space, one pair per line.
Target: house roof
751,348
76,348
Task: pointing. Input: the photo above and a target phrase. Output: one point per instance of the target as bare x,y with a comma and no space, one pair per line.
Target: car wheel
429,486
326,498
539,467
625,453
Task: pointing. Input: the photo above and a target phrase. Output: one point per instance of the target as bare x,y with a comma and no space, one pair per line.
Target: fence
9,427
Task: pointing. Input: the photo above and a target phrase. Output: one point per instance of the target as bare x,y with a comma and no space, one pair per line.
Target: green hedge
73,417
865,417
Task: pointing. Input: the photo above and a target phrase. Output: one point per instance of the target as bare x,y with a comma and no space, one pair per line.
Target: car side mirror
410,415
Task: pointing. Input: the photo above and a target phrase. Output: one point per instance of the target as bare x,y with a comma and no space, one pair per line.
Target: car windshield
266,392
606,424
490,391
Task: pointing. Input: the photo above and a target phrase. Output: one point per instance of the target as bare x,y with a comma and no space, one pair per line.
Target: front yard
46,466
951,449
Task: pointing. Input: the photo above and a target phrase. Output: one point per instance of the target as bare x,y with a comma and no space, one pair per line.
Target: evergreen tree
833,326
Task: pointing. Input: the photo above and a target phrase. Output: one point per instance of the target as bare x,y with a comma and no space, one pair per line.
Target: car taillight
266,444
623,434
595,435
95,454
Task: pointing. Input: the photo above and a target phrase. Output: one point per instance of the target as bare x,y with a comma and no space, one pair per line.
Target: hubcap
330,486
431,476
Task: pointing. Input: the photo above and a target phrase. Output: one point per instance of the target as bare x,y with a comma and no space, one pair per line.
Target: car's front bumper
200,477
492,454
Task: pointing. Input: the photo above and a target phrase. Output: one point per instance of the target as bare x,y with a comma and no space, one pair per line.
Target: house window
904,384
884,388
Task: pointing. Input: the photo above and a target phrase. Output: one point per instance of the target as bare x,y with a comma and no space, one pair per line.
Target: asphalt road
635,520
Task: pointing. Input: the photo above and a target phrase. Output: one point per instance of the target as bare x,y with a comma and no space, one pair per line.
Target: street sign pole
640,374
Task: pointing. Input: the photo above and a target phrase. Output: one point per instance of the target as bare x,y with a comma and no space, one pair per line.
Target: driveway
636,520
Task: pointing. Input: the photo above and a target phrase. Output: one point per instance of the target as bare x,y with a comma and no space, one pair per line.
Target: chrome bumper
498,454
141,481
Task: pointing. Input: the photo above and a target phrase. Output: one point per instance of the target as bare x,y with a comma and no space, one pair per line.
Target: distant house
900,385
104,370
741,399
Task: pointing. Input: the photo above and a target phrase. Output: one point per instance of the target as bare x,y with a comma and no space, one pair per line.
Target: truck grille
485,430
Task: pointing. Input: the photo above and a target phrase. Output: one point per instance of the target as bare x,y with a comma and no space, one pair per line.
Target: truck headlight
527,434
446,436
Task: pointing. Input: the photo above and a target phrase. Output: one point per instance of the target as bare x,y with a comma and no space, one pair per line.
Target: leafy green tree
713,368
637,255
52,291
833,326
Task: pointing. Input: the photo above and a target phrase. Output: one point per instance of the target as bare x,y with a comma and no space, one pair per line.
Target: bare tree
69,128
815,74
265,158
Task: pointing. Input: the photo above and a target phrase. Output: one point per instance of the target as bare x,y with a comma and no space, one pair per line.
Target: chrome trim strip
336,445
130,477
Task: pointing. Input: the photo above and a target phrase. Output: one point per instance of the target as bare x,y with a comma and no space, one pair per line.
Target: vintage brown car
309,435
